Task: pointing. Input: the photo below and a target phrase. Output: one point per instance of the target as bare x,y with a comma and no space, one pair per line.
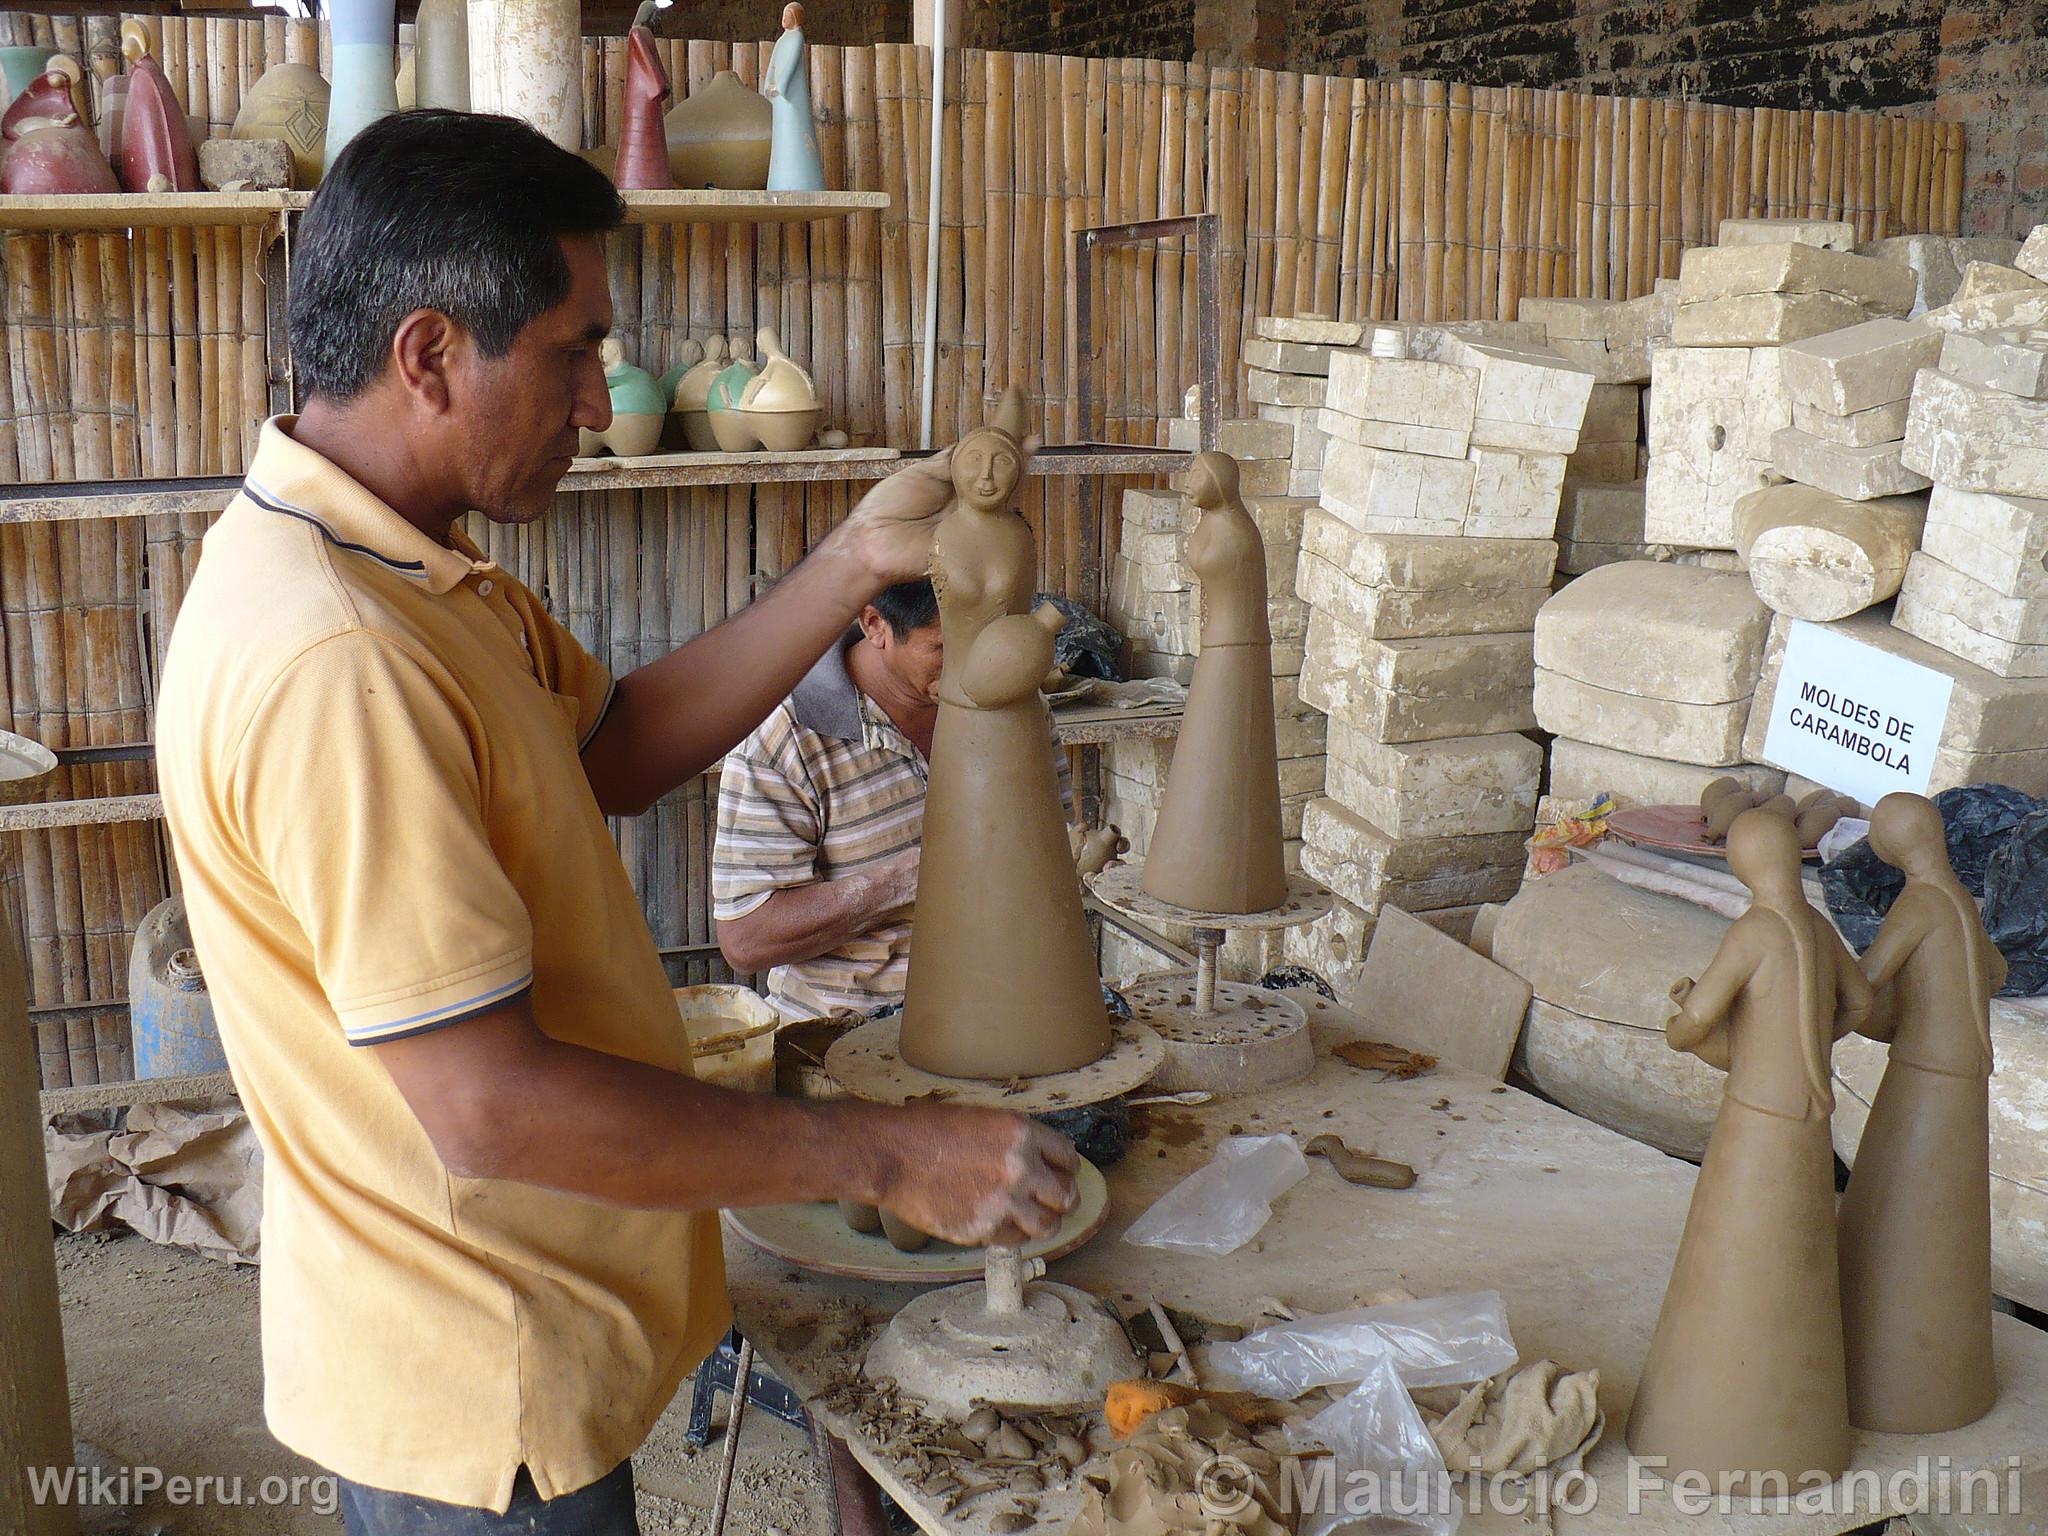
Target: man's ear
424,349
873,626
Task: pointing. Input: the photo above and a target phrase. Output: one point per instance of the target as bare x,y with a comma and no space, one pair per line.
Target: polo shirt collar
826,700
291,480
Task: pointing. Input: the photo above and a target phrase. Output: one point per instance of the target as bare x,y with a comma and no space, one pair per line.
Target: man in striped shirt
821,814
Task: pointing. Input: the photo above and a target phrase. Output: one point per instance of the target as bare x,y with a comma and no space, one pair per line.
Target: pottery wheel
868,1064
1118,888
1251,1038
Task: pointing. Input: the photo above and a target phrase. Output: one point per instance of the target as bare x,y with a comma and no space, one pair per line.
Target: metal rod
1207,942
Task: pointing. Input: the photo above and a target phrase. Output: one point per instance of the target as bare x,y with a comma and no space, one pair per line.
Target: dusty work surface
166,1372
1575,1225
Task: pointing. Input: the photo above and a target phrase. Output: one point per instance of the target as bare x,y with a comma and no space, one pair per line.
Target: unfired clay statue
642,164
1746,1374
793,164
155,140
1216,846
1916,1218
781,404
693,395
721,136
638,409
1002,979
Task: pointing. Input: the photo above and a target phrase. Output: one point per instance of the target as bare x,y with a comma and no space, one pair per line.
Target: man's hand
896,881
890,531
975,1176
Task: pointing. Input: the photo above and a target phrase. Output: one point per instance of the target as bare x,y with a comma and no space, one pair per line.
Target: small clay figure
642,164
793,163
155,141
721,136
1096,848
1916,1218
1746,1374
1216,846
781,404
1003,980
47,149
692,398
638,408
1817,813
46,100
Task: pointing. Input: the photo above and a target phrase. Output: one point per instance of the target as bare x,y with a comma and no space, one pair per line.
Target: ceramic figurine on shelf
156,143
365,85
1746,1376
47,149
691,399
638,408
688,354
642,163
47,98
731,431
793,166
1217,845
1916,1217
721,136
781,403
290,102
1003,980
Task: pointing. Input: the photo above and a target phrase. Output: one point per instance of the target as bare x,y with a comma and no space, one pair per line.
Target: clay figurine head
989,461
1764,854
1210,480
1906,831
792,16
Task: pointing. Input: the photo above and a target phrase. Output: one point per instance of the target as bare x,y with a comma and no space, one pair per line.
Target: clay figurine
1916,1218
1746,1374
47,98
365,85
642,163
688,354
793,164
781,404
638,409
731,431
289,103
1002,977
1216,845
155,139
47,148
692,396
721,136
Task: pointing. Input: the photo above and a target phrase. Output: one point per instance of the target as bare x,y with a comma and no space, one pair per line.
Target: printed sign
1855,718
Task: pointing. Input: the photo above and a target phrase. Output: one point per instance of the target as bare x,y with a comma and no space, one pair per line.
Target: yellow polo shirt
367,745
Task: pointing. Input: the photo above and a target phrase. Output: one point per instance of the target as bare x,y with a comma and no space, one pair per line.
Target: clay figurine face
792,16
1906,830
1210,479
1764,853
986,467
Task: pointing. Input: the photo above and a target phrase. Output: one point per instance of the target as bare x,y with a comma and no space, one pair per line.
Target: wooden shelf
40,815
1093,725
707,206
147,210
661,469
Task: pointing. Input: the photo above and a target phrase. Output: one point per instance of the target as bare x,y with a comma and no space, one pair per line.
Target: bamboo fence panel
144,354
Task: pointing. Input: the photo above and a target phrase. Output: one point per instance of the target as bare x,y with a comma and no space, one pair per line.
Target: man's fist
976,1176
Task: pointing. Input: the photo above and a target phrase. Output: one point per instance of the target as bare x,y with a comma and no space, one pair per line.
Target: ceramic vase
781,403
731,431
722,136
290,103
441,54
526,61
364,87
638,408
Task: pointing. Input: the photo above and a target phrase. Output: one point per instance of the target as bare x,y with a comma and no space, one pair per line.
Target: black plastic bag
1087,646
2016,905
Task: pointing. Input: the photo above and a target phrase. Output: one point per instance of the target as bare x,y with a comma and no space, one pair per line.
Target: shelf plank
146,210
712,206
41,815
659,469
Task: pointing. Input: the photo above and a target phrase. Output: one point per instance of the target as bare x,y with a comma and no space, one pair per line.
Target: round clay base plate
866,1062
1119,888
1254,1039
815,1236
1672,828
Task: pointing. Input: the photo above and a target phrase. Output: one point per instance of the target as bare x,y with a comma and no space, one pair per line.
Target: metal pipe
934,197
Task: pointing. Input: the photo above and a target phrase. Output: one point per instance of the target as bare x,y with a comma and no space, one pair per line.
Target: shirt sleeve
769,827
564,666
358,787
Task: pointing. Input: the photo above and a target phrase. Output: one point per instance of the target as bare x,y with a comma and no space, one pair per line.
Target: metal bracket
1207,229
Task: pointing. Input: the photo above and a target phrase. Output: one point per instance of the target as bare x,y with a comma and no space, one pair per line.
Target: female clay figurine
155,141
642,164
1746,1374
1916,1219
1216,847
1002,977
793,163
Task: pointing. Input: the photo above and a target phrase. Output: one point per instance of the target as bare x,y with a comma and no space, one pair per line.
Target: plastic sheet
2016,905
1389,1477
1221,1206
1438,1341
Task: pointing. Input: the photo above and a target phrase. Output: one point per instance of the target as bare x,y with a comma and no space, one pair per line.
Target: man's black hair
452,211
908,605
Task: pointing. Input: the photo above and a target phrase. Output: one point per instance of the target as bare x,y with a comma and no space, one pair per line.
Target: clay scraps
1356,1167
1517,1423
1378,1056
1156,1483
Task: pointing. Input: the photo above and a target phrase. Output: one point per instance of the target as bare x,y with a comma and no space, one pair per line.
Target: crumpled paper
188,1175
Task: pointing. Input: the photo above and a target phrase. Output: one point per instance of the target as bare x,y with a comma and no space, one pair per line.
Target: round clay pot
697,431
633,435
289,103
720,136
733,432
784,431
587,443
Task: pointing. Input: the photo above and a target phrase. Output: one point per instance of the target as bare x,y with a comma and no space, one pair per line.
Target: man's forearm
807,921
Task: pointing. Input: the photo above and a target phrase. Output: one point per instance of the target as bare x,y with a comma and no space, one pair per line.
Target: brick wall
837,23
1125,29
1992,75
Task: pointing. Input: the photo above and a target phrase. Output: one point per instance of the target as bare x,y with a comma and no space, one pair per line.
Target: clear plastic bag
1438,1341
1221,1206
1385,1475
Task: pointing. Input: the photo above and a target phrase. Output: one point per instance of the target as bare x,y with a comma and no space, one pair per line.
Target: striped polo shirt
825,788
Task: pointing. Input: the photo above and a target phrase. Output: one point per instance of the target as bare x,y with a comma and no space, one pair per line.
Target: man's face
518,414
915,660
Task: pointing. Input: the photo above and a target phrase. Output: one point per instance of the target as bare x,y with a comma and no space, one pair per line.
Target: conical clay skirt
1003,980
1746,1374
1217,844
1916,1257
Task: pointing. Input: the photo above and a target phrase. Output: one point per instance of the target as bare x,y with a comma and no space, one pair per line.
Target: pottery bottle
526,61
155,139
721,136
731,431
782,401
642,163
1916,1217
638,407
1746,1377
1217,844
692,398
289,102
793,164
1003,980
364,87
441,54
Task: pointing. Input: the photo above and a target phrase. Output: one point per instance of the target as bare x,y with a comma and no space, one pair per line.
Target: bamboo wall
1380,198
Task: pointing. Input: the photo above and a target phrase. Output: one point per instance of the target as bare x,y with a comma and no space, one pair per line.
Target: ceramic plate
1674,828
812,1236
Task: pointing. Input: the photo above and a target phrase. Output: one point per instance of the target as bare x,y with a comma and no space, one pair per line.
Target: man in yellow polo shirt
490,1245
